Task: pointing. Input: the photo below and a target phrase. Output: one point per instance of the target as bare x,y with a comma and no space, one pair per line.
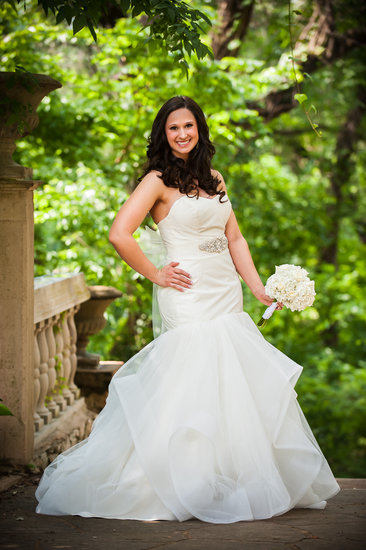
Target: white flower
291,285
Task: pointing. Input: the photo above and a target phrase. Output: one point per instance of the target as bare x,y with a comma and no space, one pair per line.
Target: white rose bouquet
290,285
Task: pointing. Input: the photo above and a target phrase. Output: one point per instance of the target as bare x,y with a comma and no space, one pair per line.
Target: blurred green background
299,198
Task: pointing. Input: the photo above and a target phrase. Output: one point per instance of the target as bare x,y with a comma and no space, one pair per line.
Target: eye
189,125
173,128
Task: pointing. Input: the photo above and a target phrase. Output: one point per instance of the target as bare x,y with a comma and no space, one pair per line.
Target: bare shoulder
218,175
152,178
151,184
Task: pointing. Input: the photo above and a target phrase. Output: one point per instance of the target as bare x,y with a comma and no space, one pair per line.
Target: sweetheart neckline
182,197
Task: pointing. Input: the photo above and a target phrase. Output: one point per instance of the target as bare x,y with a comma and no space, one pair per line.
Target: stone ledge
56,293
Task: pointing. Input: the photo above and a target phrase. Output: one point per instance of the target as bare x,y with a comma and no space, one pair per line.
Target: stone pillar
16,318
24,93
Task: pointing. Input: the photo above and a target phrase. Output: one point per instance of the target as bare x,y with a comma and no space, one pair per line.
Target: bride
203,422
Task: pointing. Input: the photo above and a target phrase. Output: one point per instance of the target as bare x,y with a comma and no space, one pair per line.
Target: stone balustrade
56,301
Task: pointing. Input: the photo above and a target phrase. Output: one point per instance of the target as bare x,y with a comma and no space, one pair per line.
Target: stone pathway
341,526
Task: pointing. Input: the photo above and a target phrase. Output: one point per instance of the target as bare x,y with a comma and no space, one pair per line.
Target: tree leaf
78,23
125,4
313,108
300,98
4,411
204,17
91,28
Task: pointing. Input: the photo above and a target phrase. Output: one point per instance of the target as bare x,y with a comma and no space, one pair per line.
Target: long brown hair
175,172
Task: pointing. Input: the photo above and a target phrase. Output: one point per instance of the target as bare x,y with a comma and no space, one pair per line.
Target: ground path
341,526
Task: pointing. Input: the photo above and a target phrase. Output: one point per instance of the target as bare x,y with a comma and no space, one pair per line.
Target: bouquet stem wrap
267,314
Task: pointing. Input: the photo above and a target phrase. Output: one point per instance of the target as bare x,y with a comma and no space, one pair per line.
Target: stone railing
56,301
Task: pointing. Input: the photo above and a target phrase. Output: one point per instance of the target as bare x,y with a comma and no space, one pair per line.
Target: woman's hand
267,300
262,297
170,275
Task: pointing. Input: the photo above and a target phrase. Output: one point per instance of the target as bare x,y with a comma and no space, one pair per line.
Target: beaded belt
214,245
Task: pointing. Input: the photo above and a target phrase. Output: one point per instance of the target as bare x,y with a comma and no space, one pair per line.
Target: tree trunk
234,20
339,191
345,145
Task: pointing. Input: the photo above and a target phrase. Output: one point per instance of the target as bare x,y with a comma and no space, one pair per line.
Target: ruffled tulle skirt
204,423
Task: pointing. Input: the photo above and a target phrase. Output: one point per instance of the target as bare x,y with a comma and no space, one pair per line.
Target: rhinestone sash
214,245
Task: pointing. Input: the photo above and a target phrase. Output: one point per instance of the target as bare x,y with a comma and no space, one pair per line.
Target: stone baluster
60,381
51,344
41,409
73,358
63,358
38,421
66,356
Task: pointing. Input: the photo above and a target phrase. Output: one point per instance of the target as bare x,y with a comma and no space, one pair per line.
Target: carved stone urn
21,93
90,320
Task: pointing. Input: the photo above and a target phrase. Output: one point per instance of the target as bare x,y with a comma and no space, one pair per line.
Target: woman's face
182,132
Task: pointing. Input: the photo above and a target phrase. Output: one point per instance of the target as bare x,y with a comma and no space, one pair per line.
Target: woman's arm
243,261
128,219
242,257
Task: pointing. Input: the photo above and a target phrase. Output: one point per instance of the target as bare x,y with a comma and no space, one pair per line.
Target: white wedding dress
203,422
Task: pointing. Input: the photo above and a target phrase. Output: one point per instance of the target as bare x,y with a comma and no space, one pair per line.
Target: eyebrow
175,123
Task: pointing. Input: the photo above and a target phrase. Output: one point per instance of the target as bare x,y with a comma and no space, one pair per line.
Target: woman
203,422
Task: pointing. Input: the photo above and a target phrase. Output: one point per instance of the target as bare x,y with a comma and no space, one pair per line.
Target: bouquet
290,285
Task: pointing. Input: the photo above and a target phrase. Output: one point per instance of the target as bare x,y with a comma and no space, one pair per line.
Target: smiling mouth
183,143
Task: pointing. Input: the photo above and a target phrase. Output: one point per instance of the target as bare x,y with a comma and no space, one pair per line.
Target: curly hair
175,172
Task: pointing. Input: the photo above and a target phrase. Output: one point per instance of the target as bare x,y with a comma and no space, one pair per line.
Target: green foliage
4,410
172,24
89,149
341,406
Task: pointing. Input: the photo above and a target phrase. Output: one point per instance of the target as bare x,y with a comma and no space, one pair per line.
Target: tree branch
234,17
320,34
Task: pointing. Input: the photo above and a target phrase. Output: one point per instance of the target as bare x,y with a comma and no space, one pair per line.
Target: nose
182,133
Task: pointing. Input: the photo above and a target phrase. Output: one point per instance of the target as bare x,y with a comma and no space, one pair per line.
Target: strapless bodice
195,226
194,235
